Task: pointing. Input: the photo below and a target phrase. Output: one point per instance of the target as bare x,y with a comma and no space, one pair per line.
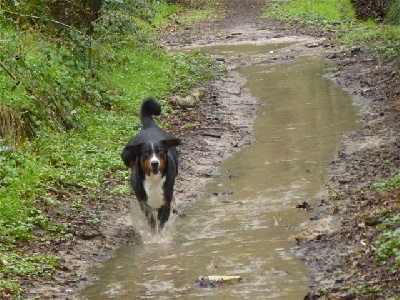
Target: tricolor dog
153,160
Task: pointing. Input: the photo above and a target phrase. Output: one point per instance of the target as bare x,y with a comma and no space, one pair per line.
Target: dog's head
153,155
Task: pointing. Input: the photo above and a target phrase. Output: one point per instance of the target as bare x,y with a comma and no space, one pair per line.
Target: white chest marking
153,186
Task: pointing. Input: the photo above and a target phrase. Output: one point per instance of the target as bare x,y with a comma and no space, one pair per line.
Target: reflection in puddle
247,227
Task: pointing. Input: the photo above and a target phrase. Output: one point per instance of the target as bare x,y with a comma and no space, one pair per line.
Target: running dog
152,157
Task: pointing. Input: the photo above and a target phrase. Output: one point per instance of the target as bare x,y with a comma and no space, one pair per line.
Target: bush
387,11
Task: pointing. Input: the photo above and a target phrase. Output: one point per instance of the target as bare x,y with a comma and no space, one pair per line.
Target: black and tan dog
153,160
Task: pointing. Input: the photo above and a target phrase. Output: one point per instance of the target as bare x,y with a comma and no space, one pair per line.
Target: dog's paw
179,213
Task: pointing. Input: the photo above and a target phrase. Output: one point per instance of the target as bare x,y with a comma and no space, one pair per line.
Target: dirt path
223,125
337,244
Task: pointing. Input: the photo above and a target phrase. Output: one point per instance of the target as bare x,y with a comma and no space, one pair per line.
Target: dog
153,159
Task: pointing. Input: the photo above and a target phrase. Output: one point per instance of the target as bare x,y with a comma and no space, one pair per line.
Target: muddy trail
336,243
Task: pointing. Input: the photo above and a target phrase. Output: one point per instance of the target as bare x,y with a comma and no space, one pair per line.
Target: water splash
147,234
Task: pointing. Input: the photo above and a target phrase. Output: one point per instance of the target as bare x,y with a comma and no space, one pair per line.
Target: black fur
137,150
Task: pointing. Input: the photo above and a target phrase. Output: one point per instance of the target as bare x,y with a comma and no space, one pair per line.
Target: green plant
93,221
387,244
368,290
28,264
388,185
69,102
10,286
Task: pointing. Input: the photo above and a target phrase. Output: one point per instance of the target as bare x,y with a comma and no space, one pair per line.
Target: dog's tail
149,108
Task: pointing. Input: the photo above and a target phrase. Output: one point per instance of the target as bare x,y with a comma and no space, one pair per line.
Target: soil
337,244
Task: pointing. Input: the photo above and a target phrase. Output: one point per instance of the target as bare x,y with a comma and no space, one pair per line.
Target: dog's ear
172,142
129,155
135,149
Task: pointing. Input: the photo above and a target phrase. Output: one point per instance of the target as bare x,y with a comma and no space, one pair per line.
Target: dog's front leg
146,209
163,214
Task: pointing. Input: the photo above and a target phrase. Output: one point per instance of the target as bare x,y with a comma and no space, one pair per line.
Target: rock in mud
217,281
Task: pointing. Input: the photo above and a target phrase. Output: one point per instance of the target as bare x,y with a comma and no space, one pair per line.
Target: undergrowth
339,17
69,100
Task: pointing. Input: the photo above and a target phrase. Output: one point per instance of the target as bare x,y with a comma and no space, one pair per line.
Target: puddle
238,51
247,226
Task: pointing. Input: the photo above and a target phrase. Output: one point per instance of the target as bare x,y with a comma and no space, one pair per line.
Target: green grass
78,121
310,12
197,11
339,18
82,155
170,73
380,38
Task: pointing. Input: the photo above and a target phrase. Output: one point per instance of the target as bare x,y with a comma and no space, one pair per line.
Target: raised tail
150,107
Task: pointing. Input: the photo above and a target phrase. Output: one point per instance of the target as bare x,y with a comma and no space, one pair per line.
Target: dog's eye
146,151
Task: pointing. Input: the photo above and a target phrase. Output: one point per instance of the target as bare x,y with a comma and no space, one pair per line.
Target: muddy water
246,226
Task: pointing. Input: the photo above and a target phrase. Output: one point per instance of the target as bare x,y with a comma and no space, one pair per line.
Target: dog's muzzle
155,167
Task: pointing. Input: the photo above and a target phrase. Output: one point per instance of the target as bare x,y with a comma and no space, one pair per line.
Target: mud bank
340,248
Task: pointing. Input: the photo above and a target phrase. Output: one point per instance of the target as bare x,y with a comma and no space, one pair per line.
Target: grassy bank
69,100
339,17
